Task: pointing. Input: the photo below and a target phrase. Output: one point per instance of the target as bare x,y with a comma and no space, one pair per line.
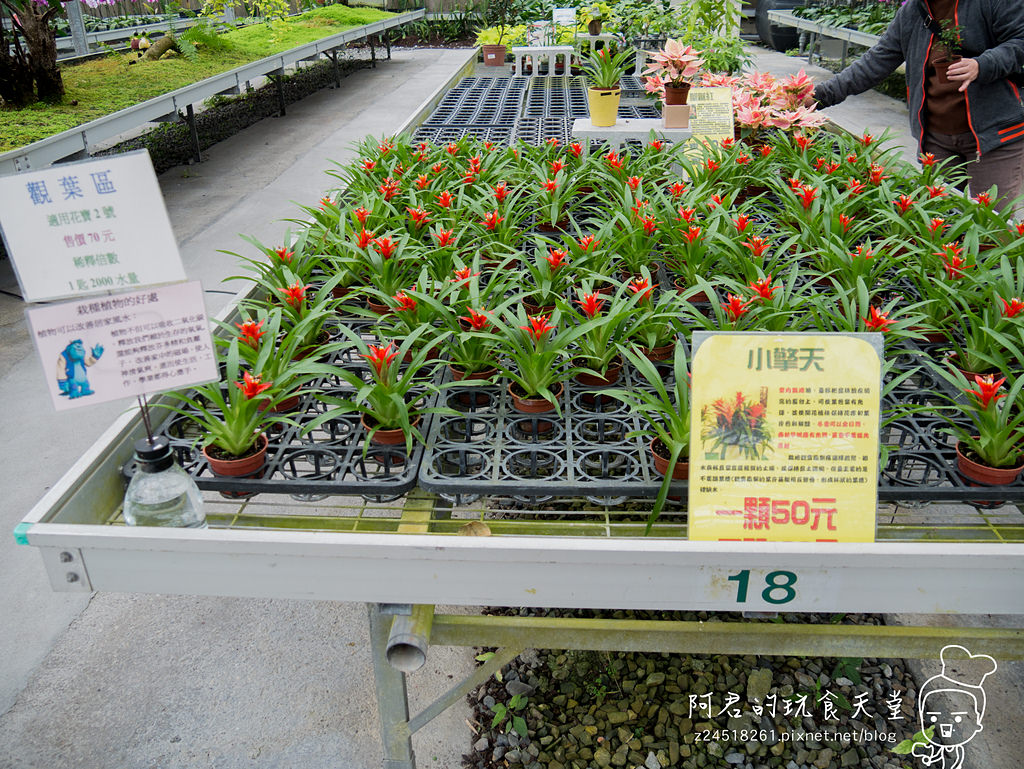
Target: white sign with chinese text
90,227
104,348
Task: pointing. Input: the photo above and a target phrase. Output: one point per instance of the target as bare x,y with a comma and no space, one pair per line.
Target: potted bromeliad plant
605,70
607,320
235,416
990,445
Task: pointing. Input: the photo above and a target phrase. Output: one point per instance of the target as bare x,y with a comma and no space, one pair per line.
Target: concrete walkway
165,681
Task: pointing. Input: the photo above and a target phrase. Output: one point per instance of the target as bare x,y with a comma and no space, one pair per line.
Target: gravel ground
646,710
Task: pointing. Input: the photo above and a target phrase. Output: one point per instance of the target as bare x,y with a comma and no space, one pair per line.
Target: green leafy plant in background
509,715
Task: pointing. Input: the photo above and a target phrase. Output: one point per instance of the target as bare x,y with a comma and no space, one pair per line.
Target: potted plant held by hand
991,449
605,70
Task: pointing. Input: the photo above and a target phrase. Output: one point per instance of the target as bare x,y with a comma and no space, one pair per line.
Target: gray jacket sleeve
1007,28
869,70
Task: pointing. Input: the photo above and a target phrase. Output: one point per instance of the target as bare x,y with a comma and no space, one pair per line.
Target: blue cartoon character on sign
957,718
71,365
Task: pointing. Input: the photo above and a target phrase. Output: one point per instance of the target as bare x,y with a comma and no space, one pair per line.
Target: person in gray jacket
975,113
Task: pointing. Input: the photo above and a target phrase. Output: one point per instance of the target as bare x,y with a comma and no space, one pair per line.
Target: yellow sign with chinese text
784,437
711,114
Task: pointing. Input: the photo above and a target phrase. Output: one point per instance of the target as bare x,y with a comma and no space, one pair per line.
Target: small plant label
105,348
711,116
90,227
784,438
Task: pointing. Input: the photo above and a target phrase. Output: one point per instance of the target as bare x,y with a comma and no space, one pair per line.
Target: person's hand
964,72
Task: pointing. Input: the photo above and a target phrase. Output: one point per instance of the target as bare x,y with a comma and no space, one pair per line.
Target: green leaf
519,724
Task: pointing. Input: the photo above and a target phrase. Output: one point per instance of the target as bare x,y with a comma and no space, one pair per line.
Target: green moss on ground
102,86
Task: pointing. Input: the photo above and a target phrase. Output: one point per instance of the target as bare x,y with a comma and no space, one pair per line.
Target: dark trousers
1002,167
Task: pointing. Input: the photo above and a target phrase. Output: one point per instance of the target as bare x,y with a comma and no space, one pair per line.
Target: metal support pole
392,700
279,83
846,48
337,72
387,42
78,38
409,639
373,52
190,116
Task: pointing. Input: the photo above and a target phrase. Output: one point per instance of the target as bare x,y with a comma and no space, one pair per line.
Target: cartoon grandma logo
951,707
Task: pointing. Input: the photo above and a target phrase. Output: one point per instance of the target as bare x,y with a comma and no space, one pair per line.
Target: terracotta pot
340,292
537,309
532,405
394,437
286,406
682,287
473,398
494,55
942,67
611,375
981,473
680,472
459,374
432,354
677,94
658,353
239,467
378,307
952,359
560,226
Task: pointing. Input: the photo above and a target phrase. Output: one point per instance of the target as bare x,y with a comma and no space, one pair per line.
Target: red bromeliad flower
500,191
640,207
1013,307
589,243
389,188
325,203
686,215
477,319
380,357
795,184
867,140
807,196
657,145
405,302
983,199
862,252
251,386
677,190
614,161
492,220
538,326
452,148
552,142
758,246
904,203
742,222
385,246
385,147
551,185
711,165
250,332
556,166
743,159
463,276
591,304
399,170
295,294
877,321
715,201
803,142
641,286
693,234
926,159
937,226
936,191
766,150
284,254
877,174
954,263
633,182
444,199
575,149
444,238
555,258
854,187
469,178
361,214
369,165
735,307
728,142
988,390
489,146
650,224
419,216
422,182
1019,227
437,168
475,164
763,289
365,238
845,222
